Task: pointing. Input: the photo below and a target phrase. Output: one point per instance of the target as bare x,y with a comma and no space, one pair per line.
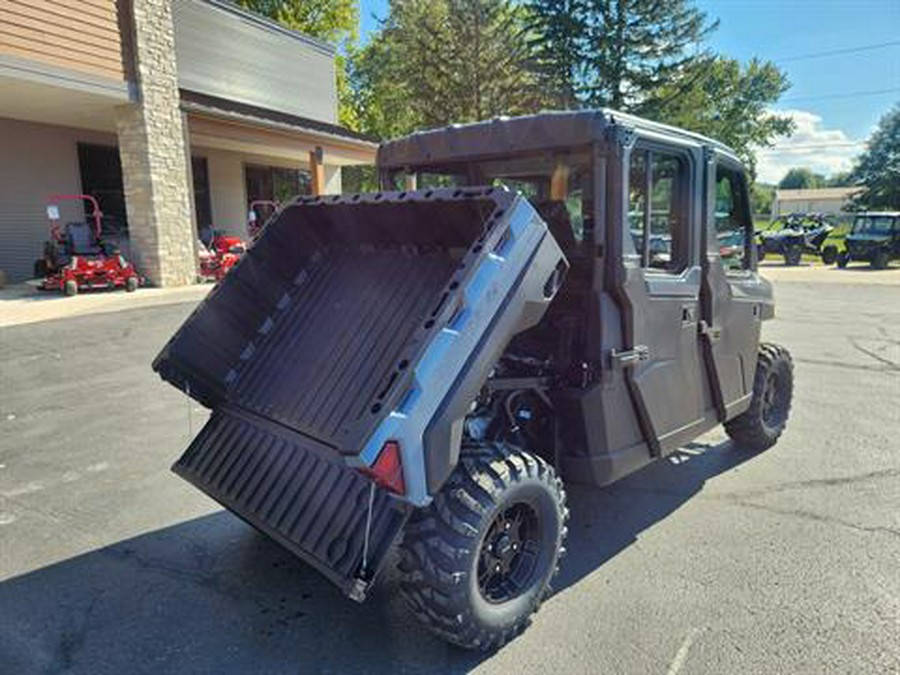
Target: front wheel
881,260
477,562
70,288
829,255
131,284
760,426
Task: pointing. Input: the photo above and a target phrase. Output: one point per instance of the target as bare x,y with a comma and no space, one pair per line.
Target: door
662,292
731,307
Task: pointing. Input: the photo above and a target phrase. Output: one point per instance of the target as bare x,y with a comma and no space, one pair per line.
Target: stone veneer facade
152,148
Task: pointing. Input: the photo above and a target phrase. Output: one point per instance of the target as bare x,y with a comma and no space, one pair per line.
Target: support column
153,154
317,172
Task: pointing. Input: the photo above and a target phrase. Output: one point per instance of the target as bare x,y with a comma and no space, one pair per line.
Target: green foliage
722,99
557,36
878,169
334,21
632,48
801,178
840,179
445,61
761,198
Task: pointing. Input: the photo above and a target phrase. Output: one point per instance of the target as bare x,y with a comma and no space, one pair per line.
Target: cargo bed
353,322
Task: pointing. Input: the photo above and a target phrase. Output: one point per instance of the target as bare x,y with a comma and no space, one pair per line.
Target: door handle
688,315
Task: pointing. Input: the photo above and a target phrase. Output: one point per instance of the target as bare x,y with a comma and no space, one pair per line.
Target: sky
835,100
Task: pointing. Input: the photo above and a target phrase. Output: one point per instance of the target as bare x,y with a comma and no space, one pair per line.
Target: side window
658,209
734,227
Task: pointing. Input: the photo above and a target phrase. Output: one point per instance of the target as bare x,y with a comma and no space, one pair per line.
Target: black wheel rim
772,401
509,553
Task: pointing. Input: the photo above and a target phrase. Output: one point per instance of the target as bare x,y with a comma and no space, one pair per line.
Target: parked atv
795,235
218,253
265,207
875,238
76,257
428,368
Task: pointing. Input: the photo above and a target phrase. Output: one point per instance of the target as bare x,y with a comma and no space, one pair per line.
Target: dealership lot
708,562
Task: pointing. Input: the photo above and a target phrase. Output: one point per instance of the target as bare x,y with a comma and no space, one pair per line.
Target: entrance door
662,289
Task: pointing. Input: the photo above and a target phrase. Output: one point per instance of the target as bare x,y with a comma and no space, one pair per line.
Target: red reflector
387,471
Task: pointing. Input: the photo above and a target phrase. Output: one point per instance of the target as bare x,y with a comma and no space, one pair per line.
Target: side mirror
53,212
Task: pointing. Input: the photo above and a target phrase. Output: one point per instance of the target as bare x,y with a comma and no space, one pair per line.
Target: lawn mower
76,257
218,253
254,224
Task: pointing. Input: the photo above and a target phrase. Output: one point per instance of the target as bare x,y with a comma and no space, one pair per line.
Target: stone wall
152,149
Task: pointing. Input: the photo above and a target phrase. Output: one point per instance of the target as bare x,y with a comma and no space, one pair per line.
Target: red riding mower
76,257
268,207
218,253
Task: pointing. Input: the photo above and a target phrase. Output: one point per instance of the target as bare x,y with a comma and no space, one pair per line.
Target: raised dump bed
353,323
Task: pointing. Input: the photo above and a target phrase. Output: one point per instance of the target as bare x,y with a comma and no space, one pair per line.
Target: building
830,201
175,114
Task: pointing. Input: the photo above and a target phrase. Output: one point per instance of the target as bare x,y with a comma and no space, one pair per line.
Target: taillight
387,471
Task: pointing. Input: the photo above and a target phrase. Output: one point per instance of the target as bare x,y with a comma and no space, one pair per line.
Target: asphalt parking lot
708,562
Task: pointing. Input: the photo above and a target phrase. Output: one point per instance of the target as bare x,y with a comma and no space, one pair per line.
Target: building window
659,188
202,198
101,177
276,183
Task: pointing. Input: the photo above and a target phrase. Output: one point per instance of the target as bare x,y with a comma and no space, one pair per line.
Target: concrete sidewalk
24,303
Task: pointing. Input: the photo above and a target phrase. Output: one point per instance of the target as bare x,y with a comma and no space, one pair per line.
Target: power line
853,94
836,52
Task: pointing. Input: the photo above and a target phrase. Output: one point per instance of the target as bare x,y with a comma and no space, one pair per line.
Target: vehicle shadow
212,595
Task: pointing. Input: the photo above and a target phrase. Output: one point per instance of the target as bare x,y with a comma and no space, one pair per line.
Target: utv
875,238
795,235
431,364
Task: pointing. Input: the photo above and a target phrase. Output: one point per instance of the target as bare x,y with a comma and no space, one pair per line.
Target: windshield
559,186
873,225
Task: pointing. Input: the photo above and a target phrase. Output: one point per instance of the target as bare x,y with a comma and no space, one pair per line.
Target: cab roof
505,136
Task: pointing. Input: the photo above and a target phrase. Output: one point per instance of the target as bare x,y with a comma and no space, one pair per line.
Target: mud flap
298,493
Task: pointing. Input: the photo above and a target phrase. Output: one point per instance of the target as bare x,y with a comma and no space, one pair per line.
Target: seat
81,239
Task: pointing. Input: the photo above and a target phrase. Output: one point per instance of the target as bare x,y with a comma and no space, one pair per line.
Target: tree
801,179
761,197
840,179
558,33
722,99
878,168
632,48
333,21
445,61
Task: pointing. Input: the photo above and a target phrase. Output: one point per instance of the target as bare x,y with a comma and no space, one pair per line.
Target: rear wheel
760,426
477,562
843,259
829,255
880,260
792,255
131,284
70,287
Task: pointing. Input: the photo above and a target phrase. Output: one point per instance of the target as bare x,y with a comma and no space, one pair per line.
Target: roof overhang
38,92
229,125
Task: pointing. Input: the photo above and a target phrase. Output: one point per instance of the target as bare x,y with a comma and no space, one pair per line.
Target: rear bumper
301,495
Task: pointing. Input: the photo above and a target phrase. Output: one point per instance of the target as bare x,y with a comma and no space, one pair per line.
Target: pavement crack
874,355
816,517
889,369
817,482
